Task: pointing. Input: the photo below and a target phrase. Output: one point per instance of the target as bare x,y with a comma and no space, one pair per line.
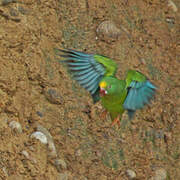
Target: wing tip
150,85
146,94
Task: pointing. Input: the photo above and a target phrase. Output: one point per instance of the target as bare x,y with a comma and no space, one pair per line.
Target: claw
116,121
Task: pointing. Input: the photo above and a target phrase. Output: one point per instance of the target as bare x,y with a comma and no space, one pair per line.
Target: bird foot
103,114
116,121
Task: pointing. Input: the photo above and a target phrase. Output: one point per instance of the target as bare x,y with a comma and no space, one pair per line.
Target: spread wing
88,69
140,92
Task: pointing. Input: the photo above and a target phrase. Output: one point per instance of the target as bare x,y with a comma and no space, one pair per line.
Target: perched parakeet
96,73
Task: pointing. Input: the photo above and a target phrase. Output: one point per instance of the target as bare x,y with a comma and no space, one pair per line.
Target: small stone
25,153
108,31
16,126
22,10
160,174
42,129
51,146
52,149
131,174
170,20
40,136
60,164
172,5
13,12
78,152
53,96
5,171
40,114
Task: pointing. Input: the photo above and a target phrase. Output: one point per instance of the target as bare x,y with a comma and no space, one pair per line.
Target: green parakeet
96,73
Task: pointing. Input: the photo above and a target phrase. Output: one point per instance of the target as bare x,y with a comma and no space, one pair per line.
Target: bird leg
103,114
116,120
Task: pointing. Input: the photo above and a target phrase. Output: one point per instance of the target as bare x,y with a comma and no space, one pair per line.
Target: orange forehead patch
103,84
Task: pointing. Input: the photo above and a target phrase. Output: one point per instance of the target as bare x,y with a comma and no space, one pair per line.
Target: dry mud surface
37,92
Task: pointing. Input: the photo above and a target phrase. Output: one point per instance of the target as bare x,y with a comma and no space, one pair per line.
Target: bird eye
109,87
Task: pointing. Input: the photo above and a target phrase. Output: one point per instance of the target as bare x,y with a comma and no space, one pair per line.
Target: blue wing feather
78,63
81,73
78,68
85,70
78,76
88,80
139,94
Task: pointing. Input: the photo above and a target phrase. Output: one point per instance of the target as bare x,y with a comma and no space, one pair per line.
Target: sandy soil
35,89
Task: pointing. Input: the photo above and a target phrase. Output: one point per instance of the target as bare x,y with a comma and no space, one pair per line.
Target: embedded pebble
13,12
42,129
172,5
16,126
25,153
40,136
5,171
131,174
78,152
27,156
40,114
52,149
60,164
22,10
170,20
51,146
53,96
108,31
160,174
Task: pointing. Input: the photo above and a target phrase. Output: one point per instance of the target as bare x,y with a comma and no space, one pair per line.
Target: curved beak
103,92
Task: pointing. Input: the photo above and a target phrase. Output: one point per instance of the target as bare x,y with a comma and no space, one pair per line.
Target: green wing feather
109,64
133,75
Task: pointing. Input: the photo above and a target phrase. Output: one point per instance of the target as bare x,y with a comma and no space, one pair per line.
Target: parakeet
96,73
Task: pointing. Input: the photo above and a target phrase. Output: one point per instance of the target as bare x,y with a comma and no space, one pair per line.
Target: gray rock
108,31
60,164
22,10
13,12
51,146
40,136
131,174
53,96
16,126
25,153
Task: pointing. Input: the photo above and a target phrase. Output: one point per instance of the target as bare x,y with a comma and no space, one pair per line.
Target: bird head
107,87
103,90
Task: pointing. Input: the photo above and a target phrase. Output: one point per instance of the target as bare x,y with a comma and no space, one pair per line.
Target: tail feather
131,114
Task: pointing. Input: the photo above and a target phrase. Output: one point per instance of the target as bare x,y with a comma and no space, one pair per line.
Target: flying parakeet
96,73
